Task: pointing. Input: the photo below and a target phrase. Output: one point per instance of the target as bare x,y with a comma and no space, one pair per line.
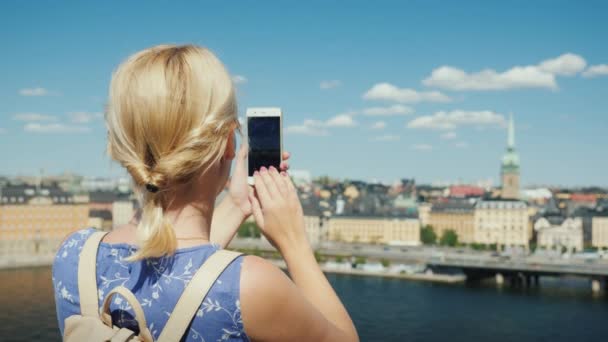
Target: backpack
96,325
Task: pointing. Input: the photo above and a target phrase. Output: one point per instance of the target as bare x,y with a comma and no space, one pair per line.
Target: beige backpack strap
87,276
140,317
194,294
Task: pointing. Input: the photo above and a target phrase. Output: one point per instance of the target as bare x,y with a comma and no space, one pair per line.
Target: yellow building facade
504,223
458,216
599,231
381,230
37,221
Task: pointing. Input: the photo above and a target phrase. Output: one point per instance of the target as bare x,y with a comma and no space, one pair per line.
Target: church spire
511,142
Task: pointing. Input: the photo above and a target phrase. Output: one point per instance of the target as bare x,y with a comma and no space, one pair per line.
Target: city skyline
412,91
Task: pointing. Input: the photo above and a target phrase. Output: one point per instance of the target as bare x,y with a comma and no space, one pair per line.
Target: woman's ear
230,146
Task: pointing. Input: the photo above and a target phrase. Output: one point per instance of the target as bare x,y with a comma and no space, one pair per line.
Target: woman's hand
277,209
230,213
239,190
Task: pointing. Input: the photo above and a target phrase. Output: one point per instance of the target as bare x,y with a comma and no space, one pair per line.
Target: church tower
509,170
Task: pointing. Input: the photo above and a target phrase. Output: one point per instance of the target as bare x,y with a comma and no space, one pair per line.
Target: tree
339,259
360,260
449,238
249,230
533,247
479,246
427,235
385,263
320,257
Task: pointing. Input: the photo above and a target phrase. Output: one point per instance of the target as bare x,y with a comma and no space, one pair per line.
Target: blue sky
370,90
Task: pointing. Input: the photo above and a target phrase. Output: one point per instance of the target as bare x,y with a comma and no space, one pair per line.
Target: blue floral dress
157,284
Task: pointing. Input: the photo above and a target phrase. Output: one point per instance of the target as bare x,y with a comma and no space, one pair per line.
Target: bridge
476,265
524,271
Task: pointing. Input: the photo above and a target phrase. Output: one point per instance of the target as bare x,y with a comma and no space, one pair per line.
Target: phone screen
264,142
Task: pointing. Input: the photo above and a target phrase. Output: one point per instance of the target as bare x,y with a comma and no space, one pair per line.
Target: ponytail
154,232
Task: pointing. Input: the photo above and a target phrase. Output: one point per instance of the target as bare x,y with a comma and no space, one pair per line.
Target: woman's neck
191,222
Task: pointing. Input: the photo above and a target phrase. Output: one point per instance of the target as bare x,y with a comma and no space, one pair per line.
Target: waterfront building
424,213
509,170
301,177
122,212
538,196
430,193
316,230
557,232
599,235
35,219
501,222
102,200
466,191
104,216
405,205
579,200
405,231
457,215
95,222
99,184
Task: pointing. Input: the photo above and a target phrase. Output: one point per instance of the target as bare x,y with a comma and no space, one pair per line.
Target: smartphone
265,135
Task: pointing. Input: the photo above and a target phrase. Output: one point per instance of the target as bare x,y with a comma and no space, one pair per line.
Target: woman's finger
286,155
269,184
278,181
284,166
257,210
291,189
260,189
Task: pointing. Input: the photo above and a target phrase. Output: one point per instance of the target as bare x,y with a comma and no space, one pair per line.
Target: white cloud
451,78
329,84
239,79
84,117
341,120
461,144
36,127
33,117
596,70
451,120
386,137
306,130
448,135
38,91
389,92
308,127
378,125
421,147
388,111
319,128
567,64
530,76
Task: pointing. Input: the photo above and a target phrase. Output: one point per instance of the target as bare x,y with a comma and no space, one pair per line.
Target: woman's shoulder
73,242
261,280
66,258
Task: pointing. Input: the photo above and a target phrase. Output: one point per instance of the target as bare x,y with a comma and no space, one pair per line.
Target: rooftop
21,194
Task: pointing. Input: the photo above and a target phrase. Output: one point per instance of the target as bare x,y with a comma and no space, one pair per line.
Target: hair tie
152,188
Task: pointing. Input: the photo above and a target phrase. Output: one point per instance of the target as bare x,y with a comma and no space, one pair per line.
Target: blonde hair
170,111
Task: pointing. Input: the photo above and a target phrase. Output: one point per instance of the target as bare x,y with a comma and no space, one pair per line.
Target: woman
171,123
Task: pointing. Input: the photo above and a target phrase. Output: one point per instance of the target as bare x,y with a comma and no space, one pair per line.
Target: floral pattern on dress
157,284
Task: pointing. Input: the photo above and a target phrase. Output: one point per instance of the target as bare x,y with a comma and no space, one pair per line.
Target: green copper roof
510,160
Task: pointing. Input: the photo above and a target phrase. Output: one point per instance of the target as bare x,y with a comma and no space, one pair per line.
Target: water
383,310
